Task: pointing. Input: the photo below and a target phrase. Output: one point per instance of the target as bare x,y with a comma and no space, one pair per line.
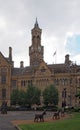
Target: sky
58,19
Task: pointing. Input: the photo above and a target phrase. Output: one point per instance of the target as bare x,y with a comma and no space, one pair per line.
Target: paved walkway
5,123
6,119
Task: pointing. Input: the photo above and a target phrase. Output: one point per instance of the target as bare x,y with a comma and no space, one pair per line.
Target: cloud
58,19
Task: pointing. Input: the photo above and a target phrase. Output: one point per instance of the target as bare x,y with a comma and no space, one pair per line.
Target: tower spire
36,24
36,50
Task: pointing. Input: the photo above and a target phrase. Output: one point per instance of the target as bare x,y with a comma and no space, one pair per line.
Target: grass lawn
67,124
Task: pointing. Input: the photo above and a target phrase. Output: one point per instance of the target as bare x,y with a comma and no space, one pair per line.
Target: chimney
10,53
21,64
67,61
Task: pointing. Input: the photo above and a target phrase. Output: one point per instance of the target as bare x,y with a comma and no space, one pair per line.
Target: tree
78,94
14,97
50,95
22,98
18,97
33,95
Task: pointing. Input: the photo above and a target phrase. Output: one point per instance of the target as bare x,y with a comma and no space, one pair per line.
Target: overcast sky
58,19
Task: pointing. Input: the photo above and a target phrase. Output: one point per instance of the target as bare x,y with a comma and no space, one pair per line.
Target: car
23,108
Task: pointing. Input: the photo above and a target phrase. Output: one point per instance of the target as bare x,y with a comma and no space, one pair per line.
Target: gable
3,60
43,70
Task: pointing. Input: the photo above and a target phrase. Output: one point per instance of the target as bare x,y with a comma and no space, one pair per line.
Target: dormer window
43,69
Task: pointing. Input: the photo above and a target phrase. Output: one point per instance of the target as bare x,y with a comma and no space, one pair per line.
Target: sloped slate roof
24,71
55,68
59,68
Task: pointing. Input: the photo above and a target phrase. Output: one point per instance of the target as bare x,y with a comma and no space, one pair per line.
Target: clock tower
36,50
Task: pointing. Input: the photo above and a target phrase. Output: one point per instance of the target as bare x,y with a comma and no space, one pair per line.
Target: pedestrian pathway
6,119
5,123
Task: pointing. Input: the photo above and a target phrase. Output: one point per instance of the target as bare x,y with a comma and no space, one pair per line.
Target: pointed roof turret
36,24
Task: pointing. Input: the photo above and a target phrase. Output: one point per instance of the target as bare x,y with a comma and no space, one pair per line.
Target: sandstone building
66,76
